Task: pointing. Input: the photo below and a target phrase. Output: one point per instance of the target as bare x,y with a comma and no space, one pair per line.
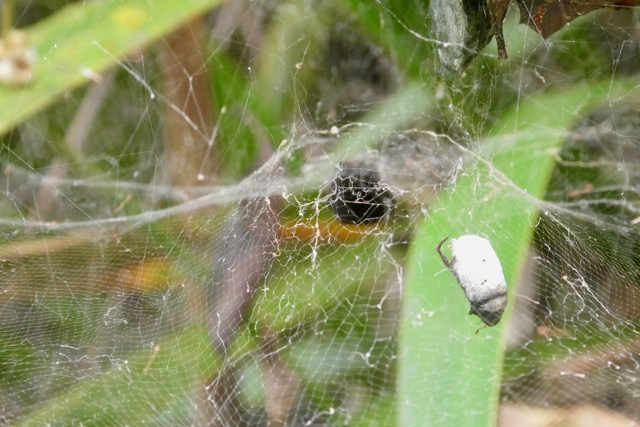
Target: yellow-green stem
7,17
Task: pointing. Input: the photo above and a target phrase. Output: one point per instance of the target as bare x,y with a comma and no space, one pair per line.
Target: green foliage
80,39
446,369
321,320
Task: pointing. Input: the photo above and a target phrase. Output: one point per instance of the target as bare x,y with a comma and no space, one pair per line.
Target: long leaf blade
85,39
448,374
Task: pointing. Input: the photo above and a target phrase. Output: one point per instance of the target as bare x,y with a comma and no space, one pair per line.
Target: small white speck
572,374
91,75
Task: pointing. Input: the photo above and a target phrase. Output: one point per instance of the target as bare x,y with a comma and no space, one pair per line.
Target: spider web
161,267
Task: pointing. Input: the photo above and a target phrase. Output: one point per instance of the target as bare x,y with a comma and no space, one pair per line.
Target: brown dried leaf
546,16
497,10
549,16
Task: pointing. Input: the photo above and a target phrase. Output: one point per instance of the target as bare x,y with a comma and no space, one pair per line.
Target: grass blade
448,374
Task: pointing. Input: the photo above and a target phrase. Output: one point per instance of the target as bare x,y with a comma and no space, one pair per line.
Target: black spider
358,196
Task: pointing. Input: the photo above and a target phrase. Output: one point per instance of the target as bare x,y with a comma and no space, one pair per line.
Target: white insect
477,268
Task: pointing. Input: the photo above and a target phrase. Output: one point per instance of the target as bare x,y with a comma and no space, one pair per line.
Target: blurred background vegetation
140,203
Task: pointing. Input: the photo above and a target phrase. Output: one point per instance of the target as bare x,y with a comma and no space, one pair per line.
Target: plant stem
7,17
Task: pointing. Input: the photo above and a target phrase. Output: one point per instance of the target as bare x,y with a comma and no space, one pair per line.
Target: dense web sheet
224,241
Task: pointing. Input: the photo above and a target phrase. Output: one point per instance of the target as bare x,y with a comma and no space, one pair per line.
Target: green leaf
448,374
86,39
314,285
137,389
